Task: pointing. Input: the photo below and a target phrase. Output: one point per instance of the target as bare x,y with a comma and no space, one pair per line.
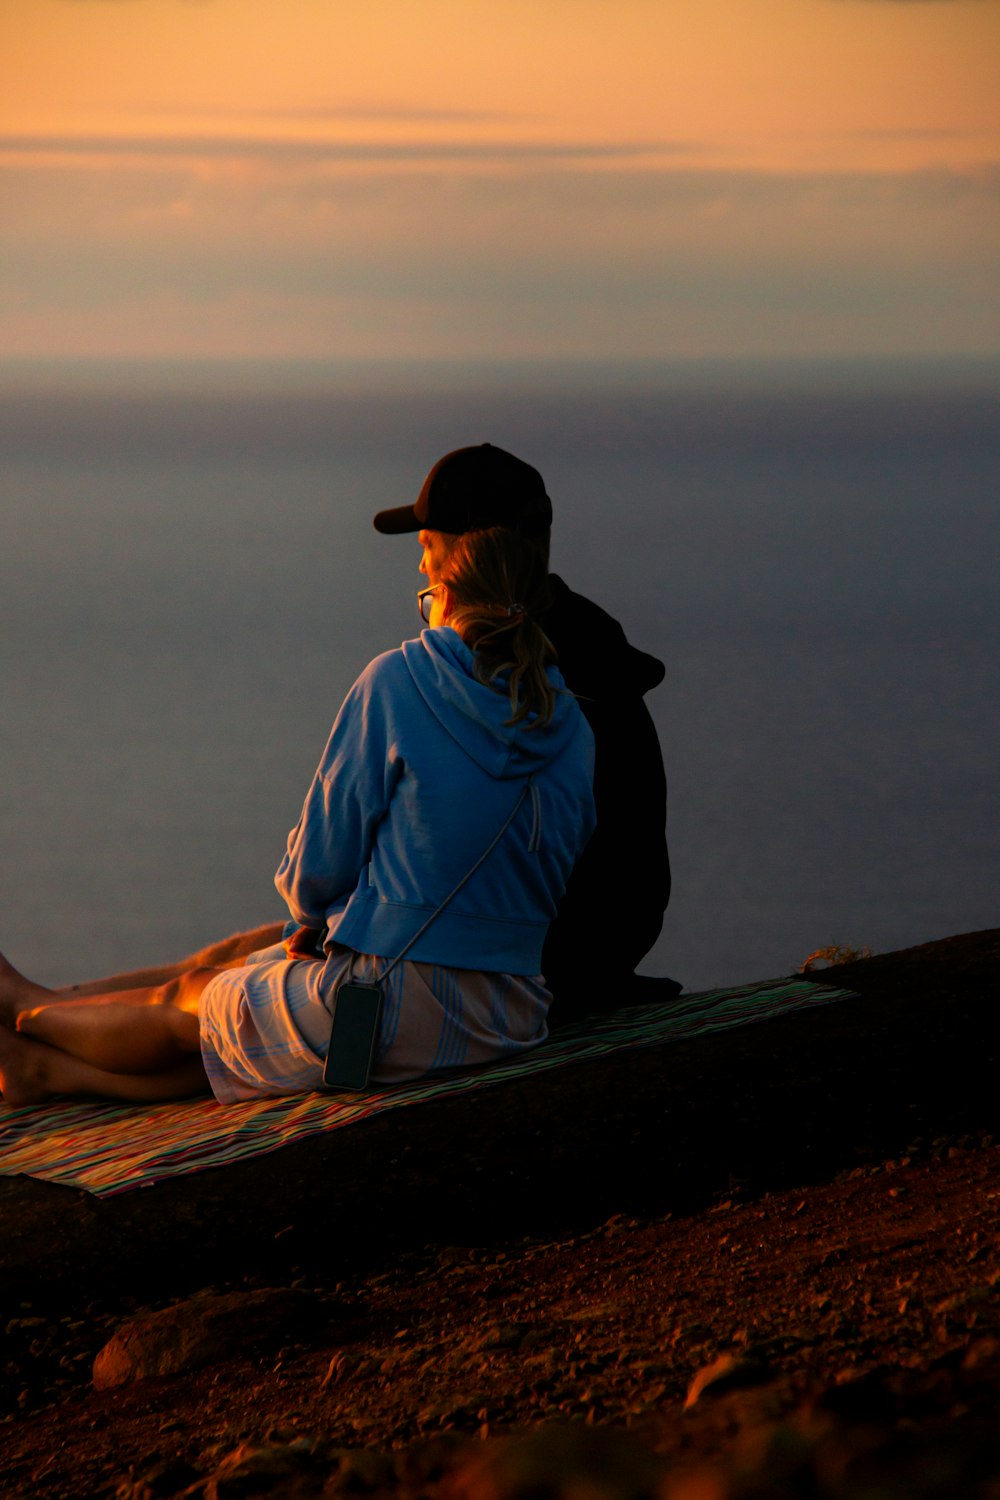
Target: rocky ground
825,1326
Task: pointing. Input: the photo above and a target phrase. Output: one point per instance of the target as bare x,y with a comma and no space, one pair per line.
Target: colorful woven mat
113,1148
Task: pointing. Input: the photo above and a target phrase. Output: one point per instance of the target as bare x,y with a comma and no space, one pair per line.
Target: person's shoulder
432,655
567,601
595,655
385,673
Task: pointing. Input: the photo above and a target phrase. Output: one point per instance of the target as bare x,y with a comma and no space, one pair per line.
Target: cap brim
394,522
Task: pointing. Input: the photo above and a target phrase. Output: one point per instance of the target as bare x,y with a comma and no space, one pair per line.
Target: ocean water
190,583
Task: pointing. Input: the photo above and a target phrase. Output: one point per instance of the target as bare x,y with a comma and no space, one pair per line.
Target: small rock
725,1374
344,1362
963,1301
256,1470
24,1323
201,1331
166,1478
498,1336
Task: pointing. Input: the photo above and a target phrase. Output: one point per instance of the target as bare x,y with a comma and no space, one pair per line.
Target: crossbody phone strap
464,880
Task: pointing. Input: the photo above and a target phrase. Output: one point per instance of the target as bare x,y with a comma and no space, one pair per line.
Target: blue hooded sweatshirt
419,773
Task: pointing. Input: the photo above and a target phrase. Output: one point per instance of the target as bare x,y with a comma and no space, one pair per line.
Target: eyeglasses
422,597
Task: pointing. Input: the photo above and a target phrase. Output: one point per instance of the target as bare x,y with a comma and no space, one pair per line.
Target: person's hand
303,943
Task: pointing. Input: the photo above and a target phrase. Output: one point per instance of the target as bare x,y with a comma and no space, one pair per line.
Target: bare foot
23,1070
17,994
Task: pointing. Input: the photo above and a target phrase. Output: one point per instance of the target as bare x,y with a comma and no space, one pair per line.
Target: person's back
619,890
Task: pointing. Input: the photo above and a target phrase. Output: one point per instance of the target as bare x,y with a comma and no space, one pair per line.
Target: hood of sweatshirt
595,657
474,714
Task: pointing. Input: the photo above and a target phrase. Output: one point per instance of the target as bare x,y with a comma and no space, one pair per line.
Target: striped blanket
113,1148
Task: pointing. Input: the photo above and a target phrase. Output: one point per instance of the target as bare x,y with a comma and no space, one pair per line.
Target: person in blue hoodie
458,736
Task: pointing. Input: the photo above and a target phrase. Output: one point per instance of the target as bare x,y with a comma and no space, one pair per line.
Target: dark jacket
613,908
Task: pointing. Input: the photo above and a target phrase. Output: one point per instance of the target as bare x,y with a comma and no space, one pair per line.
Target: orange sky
242,177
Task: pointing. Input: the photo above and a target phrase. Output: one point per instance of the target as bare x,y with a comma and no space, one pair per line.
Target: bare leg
30,1073
227,954
140,1045
19,995
136,1031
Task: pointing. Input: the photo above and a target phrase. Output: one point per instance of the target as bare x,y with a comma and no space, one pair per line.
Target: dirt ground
838,1337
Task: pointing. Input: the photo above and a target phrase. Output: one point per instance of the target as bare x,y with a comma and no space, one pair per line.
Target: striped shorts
265,1027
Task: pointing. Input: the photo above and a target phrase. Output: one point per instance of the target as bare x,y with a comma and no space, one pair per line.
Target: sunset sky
499,178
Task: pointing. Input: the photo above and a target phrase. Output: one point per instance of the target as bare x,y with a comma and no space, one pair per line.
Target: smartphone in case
353,1037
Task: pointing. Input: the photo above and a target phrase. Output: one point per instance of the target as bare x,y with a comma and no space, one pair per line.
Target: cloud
627,259
372,152
398,113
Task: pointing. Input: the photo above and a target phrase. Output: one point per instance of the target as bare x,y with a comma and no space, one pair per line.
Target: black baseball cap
472,489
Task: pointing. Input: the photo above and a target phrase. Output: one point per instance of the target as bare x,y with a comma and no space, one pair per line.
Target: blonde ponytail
498,584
